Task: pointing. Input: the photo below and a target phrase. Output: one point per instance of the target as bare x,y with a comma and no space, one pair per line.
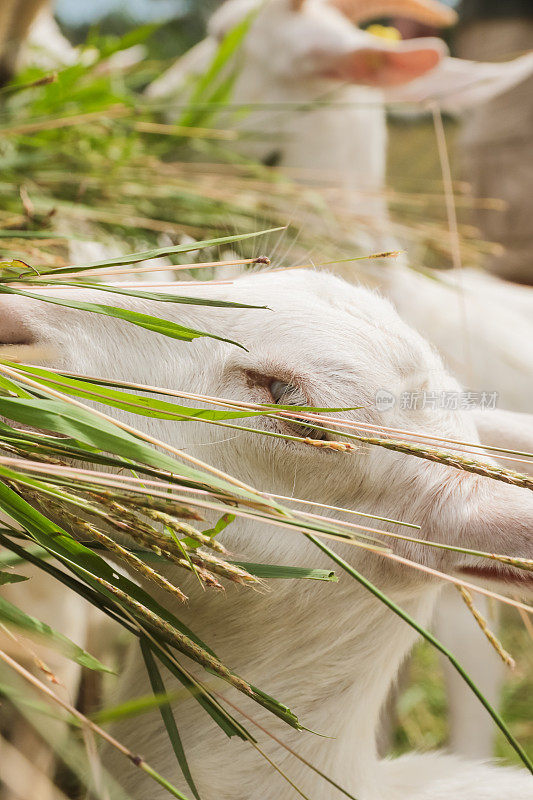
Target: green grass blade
135,258
158,688
82,560
80,424
163,782
87,564
161,297
226,722
70,751
136,707
214,87
209,703
146,406
222,523
162,326
10,387
11,577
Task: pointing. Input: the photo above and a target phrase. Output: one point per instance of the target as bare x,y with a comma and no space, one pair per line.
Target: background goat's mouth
502,574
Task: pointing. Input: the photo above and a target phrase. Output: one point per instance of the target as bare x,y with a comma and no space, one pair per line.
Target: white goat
331,651
315,84
298,52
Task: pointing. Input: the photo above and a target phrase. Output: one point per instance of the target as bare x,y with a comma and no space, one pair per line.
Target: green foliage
11,577
158,688
213,89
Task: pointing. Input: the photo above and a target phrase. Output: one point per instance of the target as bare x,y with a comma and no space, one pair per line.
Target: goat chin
330,651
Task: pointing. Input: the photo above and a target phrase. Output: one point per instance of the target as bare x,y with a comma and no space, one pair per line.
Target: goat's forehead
319,314
304,293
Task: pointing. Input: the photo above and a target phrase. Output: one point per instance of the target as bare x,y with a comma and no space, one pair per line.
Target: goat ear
385,65
500,521
458,84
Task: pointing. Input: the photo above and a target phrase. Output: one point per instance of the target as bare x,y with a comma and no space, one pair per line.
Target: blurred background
181,23
492,148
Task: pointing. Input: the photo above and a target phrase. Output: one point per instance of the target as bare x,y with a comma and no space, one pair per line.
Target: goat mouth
502,574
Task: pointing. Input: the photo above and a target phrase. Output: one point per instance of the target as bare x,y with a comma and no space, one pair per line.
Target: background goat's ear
385,65
457,84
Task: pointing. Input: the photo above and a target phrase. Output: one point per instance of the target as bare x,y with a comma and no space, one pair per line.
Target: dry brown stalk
453,460
342,447
169,506
300,415
63,122
81,526
183,528
483,624
205,576
201,499
222,568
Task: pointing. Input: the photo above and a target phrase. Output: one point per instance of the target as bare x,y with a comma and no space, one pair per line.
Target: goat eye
279,390
285,394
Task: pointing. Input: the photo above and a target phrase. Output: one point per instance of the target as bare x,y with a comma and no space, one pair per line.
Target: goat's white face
324,343
315,40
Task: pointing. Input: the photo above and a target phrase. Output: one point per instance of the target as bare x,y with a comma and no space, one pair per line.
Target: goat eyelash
287,394
275,390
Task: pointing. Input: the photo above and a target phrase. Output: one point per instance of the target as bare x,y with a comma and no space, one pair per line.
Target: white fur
481,325
329,651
